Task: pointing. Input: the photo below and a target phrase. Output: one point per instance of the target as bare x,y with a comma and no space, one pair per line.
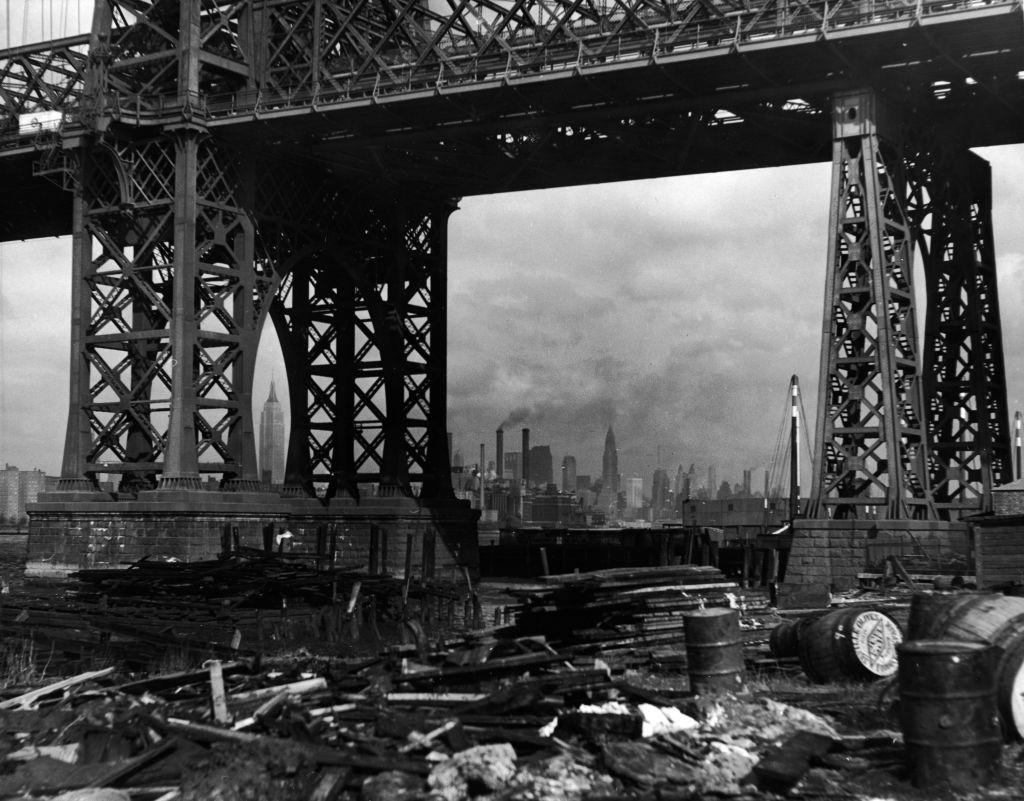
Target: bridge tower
186,244
907,444
901,437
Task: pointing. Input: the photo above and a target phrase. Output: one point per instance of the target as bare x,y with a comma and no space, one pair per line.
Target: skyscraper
569,474
610,463
542,466
272,440
634,492
659,493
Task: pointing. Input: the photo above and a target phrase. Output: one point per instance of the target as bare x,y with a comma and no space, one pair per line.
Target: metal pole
1016,439
794,449
483,468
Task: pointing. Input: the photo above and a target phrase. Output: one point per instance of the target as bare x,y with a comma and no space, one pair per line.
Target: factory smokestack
483,469
524,460
499,459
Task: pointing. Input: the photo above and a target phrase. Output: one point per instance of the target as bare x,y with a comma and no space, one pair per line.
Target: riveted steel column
78,439
181,465
437,475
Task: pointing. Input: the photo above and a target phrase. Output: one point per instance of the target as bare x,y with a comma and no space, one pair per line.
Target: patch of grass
20,663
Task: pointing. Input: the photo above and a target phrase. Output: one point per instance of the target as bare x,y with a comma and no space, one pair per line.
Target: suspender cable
3,354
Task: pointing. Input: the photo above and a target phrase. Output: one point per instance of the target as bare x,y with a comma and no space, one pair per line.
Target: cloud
659,307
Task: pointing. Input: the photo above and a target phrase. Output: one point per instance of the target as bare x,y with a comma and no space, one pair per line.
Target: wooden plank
218,702
330,785
26,700
322,755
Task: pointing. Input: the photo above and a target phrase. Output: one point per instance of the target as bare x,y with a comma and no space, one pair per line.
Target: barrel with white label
850,645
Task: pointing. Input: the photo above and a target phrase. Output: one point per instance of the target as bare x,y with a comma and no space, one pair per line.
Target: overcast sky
674,310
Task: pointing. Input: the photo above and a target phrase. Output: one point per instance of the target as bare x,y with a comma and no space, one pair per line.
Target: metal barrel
931,612
714,650
855,644
971,617
948,711
784,640
990,618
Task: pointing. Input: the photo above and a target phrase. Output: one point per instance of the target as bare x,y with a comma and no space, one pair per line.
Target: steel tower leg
362,320
964,375
870,438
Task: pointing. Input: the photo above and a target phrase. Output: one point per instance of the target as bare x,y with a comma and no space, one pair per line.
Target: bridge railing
620,35
479,43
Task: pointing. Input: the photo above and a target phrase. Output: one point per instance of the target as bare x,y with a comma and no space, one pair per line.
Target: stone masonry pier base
68,533
833,552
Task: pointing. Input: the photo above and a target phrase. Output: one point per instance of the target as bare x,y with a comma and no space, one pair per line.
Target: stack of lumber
244,604
620,611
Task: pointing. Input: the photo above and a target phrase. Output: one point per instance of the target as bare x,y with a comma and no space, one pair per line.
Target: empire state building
610,463
272,440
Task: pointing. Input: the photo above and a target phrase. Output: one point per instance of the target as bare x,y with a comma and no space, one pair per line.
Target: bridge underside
722,107
199,215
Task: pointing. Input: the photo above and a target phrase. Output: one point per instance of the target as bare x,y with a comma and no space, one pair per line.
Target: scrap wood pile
482,717
245,604
628,612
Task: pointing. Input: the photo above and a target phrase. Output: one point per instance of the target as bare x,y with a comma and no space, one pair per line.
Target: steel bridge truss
950,206
272,57
172,288
183,247
895,441
361,315
165,315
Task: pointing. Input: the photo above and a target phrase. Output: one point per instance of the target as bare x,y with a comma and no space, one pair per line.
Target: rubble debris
782,766
502,714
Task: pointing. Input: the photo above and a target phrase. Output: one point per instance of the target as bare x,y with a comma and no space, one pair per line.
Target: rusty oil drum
784,641
714,650
948,711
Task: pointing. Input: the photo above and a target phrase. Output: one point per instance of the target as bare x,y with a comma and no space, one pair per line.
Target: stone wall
1008,499
67,535
833,552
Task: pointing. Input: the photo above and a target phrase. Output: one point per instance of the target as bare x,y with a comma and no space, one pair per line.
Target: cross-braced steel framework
950,206
182,249
871,434
896,440
235,161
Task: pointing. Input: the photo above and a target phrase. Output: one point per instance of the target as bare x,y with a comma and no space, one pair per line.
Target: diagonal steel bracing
871,436
360,313
950,206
